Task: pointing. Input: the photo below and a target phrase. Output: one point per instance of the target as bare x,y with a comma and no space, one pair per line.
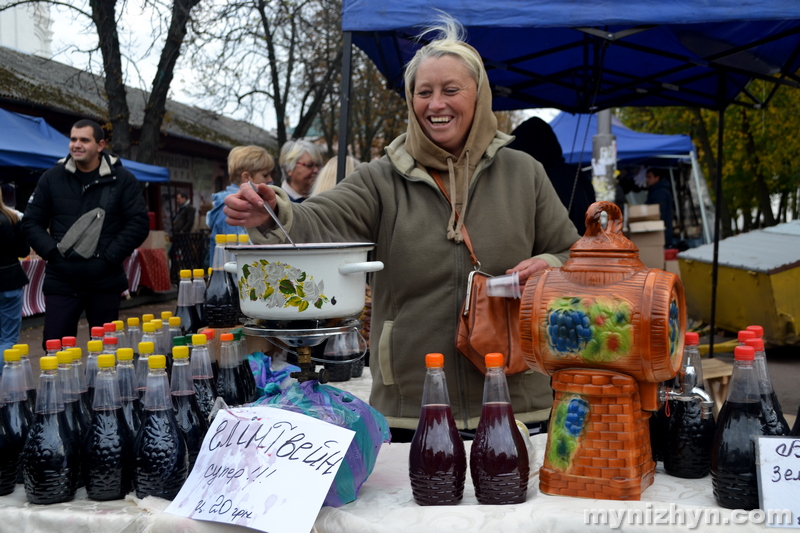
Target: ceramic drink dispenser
609,331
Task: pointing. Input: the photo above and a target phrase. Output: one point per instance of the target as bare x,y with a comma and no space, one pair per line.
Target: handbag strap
467,241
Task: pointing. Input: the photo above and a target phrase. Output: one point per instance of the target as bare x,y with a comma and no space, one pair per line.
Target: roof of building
47,84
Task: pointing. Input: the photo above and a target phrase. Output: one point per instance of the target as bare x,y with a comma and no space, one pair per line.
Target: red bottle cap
109,327
226,337
692,338
758,330
755,343
434,360
53,344
744,353
493,360
98,331
744,334
209,333
110,340
69,342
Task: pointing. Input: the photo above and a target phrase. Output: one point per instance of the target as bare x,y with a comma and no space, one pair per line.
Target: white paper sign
263,468
778,462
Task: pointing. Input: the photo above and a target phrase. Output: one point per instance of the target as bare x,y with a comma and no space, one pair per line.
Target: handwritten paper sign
263,468
778,462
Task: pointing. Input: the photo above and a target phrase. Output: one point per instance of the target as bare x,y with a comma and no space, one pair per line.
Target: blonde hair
326,179
292,151
449,40
10,214
249,159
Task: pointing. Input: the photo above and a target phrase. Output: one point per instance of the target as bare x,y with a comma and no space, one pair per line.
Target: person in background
12,276
537,138
659,192
245,164
183,221
300,162
88,178
326,179
515,220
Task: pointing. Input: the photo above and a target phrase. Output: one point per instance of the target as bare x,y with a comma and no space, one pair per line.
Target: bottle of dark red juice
498,460
437,462
741,420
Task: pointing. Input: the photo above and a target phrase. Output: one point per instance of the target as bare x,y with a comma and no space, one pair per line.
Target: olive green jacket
514,214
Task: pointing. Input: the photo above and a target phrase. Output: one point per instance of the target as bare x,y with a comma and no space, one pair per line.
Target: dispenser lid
608,239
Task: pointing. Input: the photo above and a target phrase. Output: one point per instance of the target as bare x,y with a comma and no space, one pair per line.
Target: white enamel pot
311,281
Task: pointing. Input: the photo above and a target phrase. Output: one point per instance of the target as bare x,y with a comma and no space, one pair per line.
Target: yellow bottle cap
76,352
158,323
210,270
23,349
434,360
180,352
148,327
175,321
156,361
197,272
10,354
125,354
105,361
95,346
147,318
220,238
119,323
231,238
185,274
64,358
165,315
48,363
198,339
133,321
244,239
146,347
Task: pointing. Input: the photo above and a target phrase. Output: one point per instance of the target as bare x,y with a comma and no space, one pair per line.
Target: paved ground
784,363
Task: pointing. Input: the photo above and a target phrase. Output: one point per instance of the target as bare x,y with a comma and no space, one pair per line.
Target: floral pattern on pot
597,330
280,285
566,428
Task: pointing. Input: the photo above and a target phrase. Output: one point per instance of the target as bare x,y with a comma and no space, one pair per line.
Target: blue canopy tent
585,56
31,142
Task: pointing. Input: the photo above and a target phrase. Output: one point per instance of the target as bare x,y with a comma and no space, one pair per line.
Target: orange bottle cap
434,360
226,337
493,360
209,333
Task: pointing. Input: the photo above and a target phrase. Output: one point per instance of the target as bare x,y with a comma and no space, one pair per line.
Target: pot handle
231,268
367,266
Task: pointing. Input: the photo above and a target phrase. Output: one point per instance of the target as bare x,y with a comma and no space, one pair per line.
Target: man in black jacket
86,179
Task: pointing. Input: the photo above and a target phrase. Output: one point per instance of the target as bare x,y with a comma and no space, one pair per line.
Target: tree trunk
764,202
156,105
104,17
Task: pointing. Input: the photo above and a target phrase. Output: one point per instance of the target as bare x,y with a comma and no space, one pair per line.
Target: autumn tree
108,23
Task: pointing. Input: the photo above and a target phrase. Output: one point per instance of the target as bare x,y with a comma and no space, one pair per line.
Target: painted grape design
598,330
569,330
577,409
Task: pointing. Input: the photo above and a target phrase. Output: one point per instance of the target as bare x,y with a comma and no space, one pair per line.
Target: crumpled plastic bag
266,373
340,408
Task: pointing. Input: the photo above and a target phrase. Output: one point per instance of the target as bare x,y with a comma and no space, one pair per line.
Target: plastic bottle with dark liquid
134,335
79,378
50,462
199,286
17,415
30,383
213,352
175,330
689,439
202,376
188,415
9,461
161,339
221,308
248,377
230,385
161,461
186,309
233,279
121,335
146,348
128,393
437,463
108,446
70,394
741,420
775,422
498,459
95,348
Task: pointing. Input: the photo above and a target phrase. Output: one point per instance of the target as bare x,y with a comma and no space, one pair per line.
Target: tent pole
717,226
697,185
344,104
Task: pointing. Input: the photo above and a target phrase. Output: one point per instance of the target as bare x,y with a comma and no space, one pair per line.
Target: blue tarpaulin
31,142
586,55
575,134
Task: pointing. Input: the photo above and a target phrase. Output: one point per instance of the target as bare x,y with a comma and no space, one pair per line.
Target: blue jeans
10,320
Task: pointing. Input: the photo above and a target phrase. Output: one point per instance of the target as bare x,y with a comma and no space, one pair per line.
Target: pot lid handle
608,238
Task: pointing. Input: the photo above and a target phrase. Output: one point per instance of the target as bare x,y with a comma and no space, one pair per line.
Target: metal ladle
274,216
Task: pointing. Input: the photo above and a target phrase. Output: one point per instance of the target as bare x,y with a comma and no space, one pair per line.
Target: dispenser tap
689,390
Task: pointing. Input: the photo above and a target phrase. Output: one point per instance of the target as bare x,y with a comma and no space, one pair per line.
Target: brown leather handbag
487,324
